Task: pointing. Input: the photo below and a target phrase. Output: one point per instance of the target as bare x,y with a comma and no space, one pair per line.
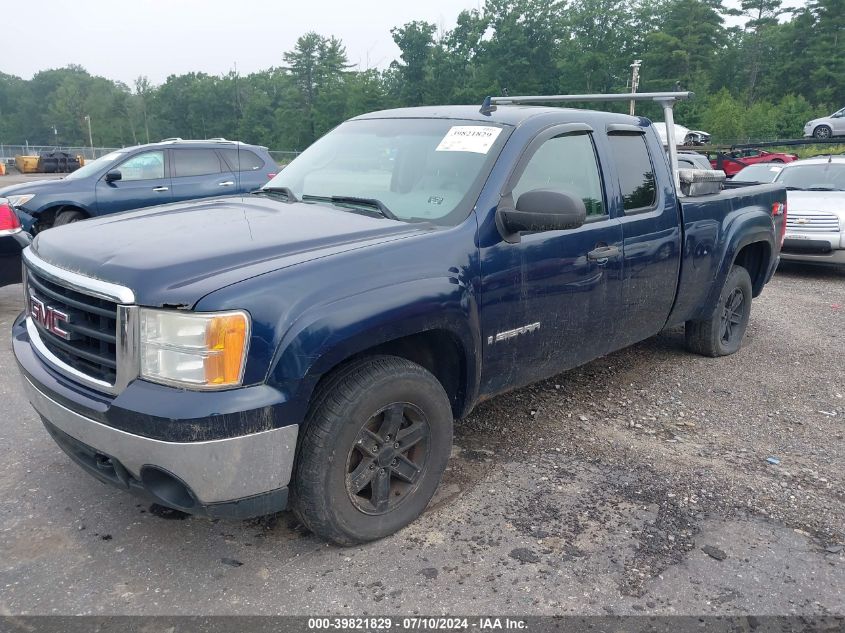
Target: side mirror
543,210
113,175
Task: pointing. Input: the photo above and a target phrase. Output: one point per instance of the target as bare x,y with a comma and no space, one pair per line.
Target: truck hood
176,254
832,201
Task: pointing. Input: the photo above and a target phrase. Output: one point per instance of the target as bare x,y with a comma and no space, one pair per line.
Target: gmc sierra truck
308,346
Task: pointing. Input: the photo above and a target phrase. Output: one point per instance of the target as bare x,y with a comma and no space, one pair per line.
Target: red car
735,161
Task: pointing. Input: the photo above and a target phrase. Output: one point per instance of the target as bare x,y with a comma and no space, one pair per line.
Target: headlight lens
20,200
198,350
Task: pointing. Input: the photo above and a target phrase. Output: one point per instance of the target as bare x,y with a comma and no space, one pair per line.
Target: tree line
761,78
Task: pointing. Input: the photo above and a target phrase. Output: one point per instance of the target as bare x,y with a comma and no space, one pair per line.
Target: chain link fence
8,152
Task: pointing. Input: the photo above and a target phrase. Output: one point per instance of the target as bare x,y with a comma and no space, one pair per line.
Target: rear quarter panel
716,228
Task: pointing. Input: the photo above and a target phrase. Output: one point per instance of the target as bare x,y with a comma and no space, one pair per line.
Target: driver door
143,183
549,301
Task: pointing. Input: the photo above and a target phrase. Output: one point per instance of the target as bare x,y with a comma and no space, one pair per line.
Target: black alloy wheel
388,458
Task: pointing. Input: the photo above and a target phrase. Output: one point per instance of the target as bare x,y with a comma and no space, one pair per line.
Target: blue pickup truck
310,345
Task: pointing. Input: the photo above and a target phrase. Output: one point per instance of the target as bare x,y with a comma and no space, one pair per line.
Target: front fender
326,335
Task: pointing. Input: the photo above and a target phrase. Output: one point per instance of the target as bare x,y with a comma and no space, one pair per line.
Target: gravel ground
638,484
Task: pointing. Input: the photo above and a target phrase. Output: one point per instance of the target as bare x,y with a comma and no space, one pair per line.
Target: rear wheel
721,334
373,450
67,217
823,131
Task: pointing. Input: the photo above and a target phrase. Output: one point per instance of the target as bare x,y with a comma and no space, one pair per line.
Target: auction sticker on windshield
469,138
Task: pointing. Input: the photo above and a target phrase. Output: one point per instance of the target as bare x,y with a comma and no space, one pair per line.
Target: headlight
20,200
196,350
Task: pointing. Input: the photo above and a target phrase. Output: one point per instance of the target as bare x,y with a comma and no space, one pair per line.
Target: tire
823,131
776,160
353,479
721,334
67,217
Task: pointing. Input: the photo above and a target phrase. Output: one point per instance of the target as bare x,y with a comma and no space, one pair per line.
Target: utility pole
635,82
90,137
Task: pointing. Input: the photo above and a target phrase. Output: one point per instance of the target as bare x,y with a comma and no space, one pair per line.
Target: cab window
144,166
567,163
636,171
195,162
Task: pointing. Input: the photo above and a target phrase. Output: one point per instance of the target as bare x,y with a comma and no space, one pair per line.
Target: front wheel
68,217
721,334
373,450
823,132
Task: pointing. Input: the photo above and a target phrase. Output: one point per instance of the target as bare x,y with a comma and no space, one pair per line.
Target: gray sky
125,39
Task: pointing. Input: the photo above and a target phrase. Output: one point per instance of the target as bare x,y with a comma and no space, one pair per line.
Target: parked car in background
142,176
733,162
827,127
13,239
759,173
697,137
683,135
815,225
693,160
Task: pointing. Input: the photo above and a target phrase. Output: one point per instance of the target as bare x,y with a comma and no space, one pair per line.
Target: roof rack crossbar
666,99
630,96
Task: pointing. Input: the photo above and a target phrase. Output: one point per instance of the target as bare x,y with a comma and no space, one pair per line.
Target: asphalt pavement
638,484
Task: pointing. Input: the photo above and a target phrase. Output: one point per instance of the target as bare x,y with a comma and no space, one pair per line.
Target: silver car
827,127
815,218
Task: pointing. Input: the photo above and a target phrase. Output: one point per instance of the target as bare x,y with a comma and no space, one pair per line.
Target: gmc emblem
48,317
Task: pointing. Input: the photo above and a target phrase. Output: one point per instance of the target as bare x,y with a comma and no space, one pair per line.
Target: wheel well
48,216
755,259
438,351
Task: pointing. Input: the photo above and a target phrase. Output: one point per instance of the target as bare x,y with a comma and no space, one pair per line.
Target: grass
809,151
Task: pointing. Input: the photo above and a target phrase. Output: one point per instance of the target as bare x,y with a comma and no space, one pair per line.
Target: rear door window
636,171
242,159
195,162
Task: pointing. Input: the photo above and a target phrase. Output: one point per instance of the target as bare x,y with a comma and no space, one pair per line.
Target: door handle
602,254
161,188
227,183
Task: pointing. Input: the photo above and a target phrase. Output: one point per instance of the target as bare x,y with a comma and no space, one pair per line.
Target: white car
815,218
827,127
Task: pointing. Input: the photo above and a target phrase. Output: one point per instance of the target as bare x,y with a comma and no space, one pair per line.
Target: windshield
762,172
419,169
816,177
89,169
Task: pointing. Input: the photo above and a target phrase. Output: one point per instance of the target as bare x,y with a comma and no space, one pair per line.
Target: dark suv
142,176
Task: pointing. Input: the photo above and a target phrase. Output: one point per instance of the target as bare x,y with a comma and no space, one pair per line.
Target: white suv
815,219
827,127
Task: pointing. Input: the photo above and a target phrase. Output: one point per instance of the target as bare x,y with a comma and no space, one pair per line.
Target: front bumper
226,464
833,257
237,477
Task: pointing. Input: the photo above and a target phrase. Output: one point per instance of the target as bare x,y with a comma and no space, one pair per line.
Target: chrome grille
91,346
812,222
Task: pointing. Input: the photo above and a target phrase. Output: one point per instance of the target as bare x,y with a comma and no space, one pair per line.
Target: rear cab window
636,172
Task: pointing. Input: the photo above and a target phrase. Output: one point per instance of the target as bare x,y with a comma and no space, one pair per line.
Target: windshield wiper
286,191
822,189
372,203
